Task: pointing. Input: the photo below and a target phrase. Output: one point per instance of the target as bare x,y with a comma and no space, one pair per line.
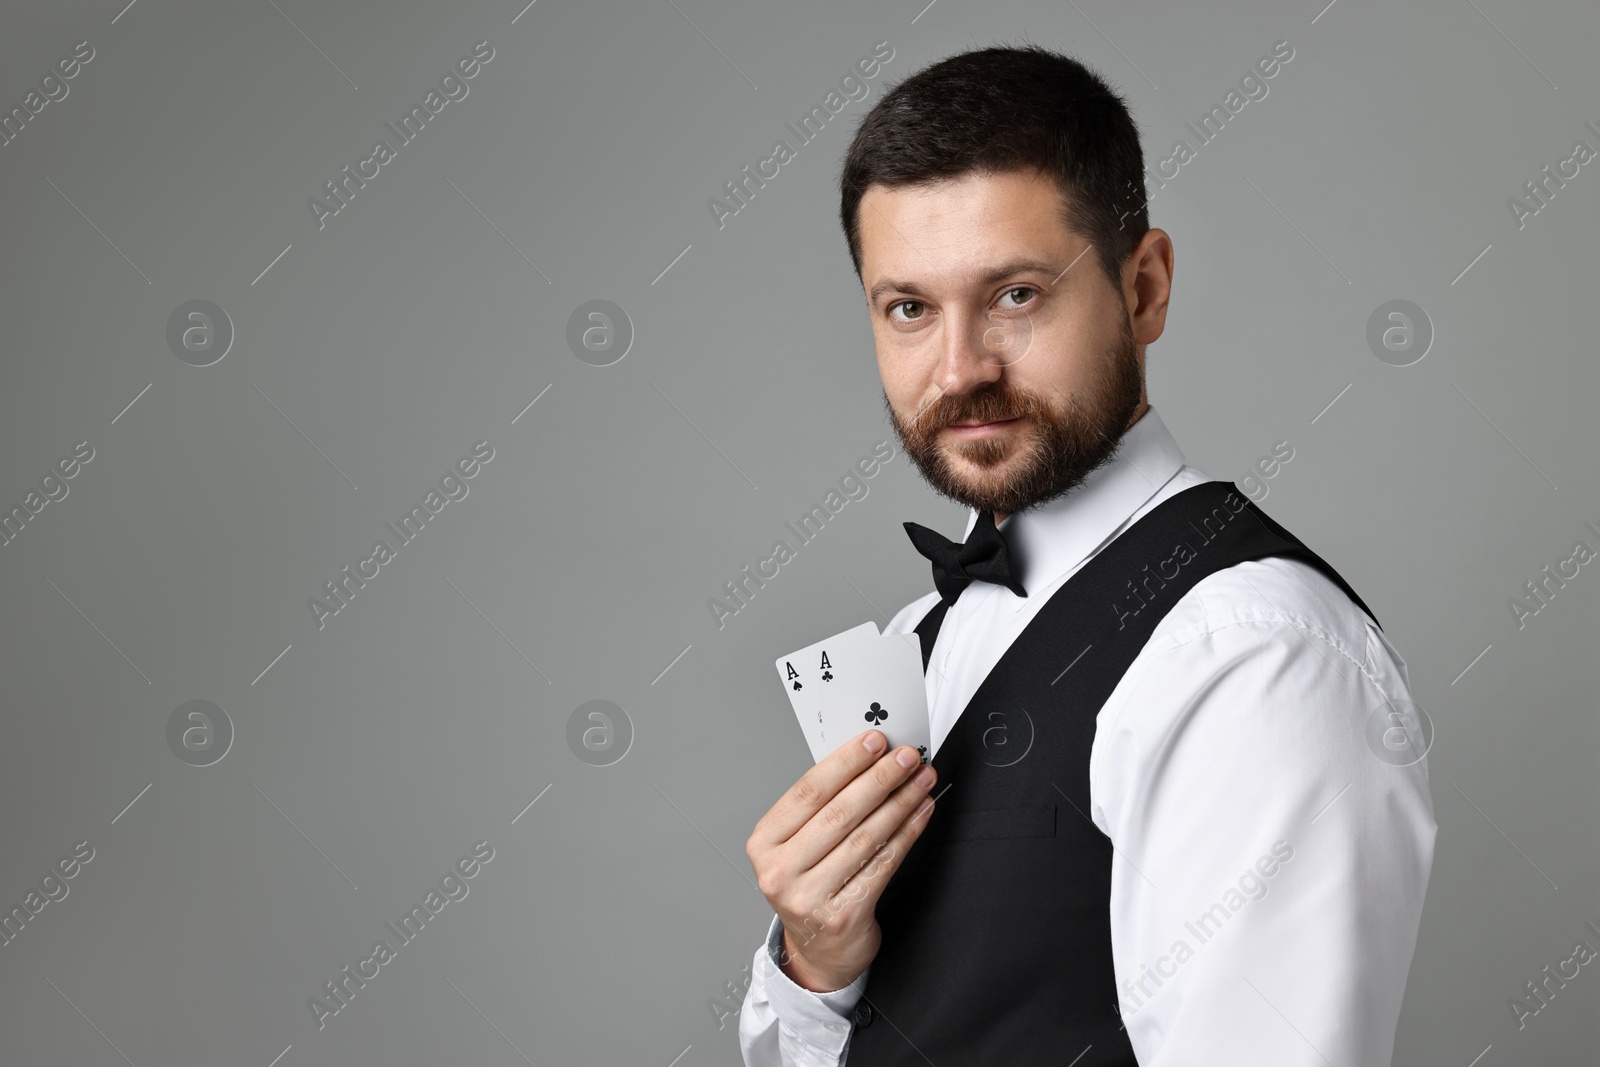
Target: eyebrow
989,277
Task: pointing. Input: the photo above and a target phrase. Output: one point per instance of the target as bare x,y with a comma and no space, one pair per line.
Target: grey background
431,711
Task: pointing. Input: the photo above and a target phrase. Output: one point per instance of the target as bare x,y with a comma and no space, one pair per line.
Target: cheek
910,372
1063,355
1094,335
898,366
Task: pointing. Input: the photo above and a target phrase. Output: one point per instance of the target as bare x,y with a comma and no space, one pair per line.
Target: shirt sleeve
1273,835
782,1024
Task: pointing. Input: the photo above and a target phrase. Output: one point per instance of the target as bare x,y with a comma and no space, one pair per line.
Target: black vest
996,928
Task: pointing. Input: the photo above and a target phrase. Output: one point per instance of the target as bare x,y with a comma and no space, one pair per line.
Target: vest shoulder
1276,589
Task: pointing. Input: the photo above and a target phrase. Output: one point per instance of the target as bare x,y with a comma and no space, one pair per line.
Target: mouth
974,431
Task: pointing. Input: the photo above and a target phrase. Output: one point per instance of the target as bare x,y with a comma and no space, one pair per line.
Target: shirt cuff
819,1019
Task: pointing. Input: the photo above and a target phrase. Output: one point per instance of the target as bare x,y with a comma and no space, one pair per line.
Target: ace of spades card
807,672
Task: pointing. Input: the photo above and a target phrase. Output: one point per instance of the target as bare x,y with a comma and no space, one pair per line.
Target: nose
972,351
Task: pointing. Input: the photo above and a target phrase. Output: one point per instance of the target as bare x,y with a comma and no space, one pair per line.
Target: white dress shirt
1269,867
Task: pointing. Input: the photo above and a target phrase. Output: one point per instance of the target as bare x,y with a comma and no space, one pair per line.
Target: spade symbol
877,713
797,685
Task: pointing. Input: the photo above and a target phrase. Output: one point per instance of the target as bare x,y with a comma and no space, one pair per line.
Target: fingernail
873,742
927,802
924,777
907,757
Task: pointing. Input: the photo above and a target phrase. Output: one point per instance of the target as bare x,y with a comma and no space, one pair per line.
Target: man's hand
824,852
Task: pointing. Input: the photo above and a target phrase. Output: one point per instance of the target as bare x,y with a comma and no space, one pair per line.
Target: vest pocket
1031,821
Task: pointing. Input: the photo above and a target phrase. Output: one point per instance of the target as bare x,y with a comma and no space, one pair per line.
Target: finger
855,820
818,786
867,883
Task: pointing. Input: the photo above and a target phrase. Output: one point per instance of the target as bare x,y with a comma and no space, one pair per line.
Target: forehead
931,230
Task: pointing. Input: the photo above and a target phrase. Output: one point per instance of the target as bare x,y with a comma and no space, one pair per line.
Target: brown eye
907,304
1021,289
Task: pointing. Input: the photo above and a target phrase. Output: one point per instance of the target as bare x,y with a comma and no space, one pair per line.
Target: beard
1048,454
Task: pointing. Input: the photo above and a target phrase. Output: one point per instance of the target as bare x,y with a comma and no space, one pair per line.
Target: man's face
1009,366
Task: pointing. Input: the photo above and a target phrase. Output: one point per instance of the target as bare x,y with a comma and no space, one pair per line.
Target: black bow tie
984,558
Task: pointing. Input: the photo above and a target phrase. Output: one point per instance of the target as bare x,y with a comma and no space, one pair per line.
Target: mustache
988,404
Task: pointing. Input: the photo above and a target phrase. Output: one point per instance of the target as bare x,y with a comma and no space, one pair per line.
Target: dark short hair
1006,109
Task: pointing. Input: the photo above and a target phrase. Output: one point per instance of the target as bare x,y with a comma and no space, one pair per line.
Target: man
1187,820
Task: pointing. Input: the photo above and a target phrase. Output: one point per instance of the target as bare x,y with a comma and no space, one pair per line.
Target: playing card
878,682
806,673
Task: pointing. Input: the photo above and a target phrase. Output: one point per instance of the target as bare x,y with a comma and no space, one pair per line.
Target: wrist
803,973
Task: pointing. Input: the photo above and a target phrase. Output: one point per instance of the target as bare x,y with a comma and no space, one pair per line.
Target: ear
1147,285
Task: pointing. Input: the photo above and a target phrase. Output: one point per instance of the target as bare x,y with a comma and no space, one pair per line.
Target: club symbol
827,676
877,713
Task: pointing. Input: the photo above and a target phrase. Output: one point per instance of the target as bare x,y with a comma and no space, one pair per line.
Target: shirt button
863,1015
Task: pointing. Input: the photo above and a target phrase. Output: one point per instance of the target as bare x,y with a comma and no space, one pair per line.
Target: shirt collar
1048,541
